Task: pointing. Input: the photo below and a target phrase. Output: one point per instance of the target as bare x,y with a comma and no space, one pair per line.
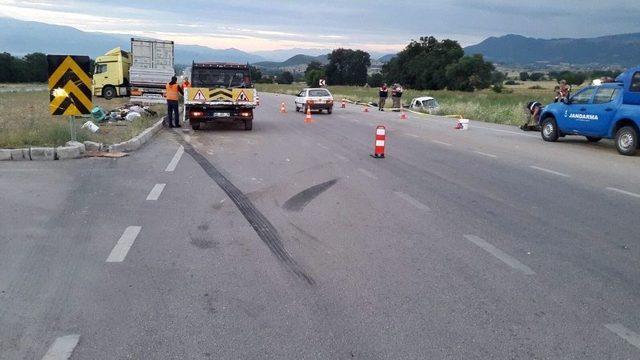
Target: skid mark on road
501,255
630,336
62,348
261,225
303,198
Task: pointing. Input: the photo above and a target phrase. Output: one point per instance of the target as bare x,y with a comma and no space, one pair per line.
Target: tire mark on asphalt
262,226
298,201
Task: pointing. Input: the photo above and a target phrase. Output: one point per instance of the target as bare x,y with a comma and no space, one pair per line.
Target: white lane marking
174,162
620,330
62,348
366,173
323,147
408,198
624,192
342,158
121,249
504,131
549,171
413,136
485,154
155,192
441,143
501,255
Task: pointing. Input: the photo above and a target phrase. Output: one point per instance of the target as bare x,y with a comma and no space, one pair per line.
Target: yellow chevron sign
213,94
70,73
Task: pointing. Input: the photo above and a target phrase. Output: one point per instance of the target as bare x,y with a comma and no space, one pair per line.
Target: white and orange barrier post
381,137
283,109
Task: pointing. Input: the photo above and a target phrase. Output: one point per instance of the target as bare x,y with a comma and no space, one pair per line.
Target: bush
375,80
497,88
285,78
536,87
511,82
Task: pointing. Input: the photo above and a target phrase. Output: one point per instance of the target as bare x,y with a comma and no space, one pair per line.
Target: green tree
469,74
285,78
255,74
36,67
348,67
422,64
6,68
313,77
375,80
524,76
314,65
536,76
498,78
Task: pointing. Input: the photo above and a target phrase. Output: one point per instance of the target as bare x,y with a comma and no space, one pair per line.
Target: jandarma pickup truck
610,110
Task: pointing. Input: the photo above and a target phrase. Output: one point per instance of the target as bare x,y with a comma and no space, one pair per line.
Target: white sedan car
314,99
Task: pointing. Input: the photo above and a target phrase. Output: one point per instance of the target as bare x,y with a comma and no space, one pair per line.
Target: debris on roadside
128,112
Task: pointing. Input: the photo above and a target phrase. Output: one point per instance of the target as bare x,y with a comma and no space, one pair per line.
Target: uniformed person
383,94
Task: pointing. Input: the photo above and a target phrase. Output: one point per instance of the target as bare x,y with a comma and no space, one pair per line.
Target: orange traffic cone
344,104
365,109
283,109
308,119
403,115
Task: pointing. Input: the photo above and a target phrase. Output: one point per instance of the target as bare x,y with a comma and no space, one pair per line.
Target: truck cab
610,110
220,92
111,74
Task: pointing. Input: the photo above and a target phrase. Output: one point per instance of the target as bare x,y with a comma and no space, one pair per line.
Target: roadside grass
507,107
25,121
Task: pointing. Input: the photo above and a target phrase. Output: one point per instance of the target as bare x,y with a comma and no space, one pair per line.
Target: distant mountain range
22,37
612,51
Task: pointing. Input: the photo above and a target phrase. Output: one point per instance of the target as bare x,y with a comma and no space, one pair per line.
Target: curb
76,150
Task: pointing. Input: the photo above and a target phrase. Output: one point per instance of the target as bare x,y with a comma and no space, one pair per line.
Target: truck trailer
141,73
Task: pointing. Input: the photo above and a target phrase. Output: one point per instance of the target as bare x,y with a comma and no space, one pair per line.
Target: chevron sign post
71,74
69,87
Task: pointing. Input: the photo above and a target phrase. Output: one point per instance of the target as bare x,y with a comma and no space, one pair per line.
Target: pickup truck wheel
248,125
627,141
593,139
549,129
108,92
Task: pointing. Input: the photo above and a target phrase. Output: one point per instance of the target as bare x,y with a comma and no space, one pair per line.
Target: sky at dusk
379,26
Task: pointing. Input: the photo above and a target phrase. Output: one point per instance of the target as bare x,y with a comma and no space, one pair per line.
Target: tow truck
220,92
609,110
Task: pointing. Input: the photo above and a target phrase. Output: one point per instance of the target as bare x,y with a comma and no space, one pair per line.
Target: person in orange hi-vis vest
173,91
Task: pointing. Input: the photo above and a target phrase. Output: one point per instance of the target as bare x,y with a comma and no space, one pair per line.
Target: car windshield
319,93
430,103
219,78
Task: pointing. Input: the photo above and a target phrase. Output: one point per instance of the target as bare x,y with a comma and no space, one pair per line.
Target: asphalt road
291,242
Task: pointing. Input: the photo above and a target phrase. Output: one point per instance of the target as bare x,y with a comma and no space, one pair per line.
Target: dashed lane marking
413,136
342,158
176,158
485,154
123,245
624,192
368,174
323,147
501,255
549,171
441,143
628,335
408,198
62,348
154,194
505,131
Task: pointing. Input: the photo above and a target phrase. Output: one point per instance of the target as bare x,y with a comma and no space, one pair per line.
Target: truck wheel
549,129
248,125
627,141
593,139
108,92
195,126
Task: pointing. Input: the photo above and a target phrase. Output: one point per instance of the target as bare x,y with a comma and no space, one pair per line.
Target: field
25,121
507,107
